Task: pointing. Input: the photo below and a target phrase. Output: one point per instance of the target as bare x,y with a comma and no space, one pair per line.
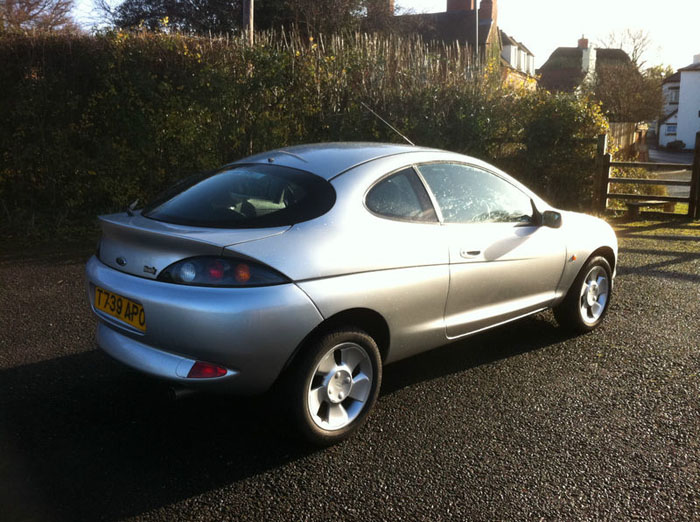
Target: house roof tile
563,79
509,40
563,70
692,67
674,78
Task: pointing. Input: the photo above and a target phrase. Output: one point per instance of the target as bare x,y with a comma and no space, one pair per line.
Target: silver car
311,267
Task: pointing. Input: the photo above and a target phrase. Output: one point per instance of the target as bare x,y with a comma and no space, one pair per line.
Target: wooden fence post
602,169
694,203
248,20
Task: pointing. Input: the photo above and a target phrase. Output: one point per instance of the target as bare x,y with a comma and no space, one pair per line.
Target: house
458,23
568,68
668,124
517,61
689,103
681,96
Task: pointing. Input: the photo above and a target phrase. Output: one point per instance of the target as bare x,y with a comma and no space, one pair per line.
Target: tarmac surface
523,422
665,156
670,156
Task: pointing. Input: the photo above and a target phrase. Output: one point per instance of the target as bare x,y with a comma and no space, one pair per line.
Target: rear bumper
157,362
252,332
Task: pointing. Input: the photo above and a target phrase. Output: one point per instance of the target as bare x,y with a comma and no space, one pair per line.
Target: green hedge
91,123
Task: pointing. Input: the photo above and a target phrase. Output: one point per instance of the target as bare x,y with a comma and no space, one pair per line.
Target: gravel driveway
518,423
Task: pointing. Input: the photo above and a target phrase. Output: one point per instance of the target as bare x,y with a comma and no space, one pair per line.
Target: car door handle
469,253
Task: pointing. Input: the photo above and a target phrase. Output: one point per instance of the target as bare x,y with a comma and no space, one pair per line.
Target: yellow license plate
120,307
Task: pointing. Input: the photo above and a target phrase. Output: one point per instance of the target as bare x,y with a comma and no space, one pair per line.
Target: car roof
328,160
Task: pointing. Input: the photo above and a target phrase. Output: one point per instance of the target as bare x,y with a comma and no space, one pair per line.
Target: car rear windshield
245,196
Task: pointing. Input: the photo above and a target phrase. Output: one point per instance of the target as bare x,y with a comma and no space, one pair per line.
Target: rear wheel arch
365,319
332,385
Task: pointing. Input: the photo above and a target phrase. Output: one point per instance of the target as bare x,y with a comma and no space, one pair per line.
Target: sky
544,25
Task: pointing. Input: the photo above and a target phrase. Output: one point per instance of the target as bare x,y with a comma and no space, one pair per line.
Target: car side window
467,194
401,196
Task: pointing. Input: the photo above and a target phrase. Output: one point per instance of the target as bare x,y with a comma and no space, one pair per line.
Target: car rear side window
401,196
245,196
467,194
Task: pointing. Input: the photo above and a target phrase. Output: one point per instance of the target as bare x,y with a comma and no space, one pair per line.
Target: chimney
696,58
460,5
380,8
588,61
488,10
583,43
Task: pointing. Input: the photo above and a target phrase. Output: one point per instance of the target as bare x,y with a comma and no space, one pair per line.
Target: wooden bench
634,206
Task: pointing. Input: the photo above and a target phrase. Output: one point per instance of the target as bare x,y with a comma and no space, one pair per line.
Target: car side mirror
551,219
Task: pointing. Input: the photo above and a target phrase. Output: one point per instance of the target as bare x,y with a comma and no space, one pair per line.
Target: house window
673,96
671,129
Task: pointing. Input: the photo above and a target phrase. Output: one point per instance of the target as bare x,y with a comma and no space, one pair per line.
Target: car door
502,264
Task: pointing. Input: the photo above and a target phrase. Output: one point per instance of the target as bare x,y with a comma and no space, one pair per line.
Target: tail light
221,271
204,370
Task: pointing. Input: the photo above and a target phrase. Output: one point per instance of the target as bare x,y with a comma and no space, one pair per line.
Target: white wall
519,59
509,55
664,137
668,89
689,107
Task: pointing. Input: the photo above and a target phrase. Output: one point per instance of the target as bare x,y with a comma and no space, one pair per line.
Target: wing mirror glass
551,219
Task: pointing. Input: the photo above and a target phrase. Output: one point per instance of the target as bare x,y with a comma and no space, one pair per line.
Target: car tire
588,299
333,384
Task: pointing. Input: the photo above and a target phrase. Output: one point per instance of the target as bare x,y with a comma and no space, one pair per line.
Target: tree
24,15
224,16
192,16
623,93
324,16
635,43
626,90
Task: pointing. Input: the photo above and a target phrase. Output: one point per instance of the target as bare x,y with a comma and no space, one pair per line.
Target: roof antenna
386,123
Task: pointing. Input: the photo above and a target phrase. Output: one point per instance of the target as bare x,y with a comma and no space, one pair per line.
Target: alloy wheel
340,386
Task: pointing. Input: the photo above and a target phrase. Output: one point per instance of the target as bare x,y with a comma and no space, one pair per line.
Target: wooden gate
602,191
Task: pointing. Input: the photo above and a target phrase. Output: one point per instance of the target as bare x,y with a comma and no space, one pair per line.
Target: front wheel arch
571,313
607,253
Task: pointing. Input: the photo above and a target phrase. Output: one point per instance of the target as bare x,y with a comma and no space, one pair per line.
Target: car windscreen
244,196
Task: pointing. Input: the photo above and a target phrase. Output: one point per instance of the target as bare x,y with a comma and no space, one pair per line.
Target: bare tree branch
23,15
635,43
104,12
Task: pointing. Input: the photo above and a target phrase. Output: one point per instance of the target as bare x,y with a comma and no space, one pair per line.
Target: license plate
120,307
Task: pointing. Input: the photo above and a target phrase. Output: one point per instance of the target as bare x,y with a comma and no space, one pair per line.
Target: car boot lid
144,247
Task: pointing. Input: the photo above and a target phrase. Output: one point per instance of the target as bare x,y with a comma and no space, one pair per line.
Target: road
664,156
524,422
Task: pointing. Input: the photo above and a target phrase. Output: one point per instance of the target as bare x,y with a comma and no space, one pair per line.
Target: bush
91,123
